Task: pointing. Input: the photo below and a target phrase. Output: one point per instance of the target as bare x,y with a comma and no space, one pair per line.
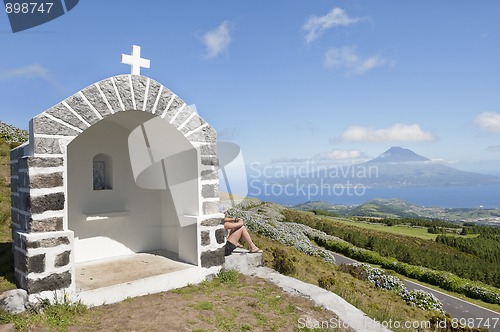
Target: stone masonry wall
42,243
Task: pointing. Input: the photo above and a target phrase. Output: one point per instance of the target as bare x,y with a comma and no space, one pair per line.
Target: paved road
458,309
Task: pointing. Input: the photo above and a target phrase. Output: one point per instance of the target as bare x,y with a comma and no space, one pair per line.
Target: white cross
135,60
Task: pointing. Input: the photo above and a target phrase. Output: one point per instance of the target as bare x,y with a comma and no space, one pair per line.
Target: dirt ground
252,304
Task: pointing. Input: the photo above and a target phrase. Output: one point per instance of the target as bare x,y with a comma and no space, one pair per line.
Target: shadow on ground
7,280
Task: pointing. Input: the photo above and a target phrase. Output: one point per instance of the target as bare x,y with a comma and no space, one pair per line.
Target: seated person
237,230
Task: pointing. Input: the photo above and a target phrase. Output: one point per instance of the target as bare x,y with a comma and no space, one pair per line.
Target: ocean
447,197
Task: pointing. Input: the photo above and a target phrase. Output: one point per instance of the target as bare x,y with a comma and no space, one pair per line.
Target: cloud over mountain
398,132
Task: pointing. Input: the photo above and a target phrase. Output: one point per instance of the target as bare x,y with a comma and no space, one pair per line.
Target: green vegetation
12,135
6,257
378,304
407,249
445,280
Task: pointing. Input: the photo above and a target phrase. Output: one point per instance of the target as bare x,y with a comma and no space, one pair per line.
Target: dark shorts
229,248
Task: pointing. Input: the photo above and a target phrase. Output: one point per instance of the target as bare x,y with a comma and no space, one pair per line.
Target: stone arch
39,205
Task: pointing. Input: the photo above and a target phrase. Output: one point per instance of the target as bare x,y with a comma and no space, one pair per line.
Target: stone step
243,261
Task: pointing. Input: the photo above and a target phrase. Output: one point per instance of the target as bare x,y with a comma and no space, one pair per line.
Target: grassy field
419,232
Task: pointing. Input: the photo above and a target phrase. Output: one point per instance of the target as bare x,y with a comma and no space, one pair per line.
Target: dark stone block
210,161
212,222
208,149
194,123
63,113
177,103
44,125
24,201
210,207
20,262
109,92
50,283
81,107
47,145
213,258
50,242
49,180
46,225
123,86
209,175
94,97
62,259
36,264
183,116
206,134
49,202
205,238
139,84
154,88
165,97
220,235
40,162
210,191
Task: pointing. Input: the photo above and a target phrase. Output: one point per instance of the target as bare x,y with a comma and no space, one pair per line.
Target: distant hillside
395,208
11,134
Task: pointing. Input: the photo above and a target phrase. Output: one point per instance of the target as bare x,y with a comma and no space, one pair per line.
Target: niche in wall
102,173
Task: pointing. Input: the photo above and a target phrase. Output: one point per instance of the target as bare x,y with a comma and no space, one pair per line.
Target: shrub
282,262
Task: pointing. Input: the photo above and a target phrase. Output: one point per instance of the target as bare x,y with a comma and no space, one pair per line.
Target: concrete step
243,261
7,328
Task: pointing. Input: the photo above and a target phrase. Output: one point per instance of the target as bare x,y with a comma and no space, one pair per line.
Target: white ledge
106,215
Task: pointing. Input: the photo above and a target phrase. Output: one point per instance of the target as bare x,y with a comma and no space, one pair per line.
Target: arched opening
152,170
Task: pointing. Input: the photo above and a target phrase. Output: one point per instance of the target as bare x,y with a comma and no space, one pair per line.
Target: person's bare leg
248,239
235,235
242,232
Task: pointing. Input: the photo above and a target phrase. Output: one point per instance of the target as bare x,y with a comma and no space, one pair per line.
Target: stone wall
42,242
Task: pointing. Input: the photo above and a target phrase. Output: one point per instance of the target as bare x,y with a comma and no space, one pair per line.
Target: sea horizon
485,196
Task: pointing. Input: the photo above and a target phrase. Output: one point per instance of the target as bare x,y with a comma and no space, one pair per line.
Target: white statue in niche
101,172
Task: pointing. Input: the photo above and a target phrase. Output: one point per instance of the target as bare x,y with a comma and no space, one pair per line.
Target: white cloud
489,121
28,72
336,155
316,25
347,57
398,132
217,41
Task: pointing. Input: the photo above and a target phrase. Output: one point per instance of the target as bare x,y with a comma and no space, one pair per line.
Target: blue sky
288,80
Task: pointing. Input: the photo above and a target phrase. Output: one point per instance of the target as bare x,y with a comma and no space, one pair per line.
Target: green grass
418,232
51,317
6,257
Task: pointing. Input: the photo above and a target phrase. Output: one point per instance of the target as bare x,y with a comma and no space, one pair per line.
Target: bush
282,262
326,281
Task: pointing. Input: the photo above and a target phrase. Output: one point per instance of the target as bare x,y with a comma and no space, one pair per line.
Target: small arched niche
102,172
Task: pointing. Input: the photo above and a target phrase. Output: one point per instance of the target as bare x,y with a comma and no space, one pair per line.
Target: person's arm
231,223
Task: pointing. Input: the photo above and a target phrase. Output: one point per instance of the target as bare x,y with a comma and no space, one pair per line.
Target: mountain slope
398,155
